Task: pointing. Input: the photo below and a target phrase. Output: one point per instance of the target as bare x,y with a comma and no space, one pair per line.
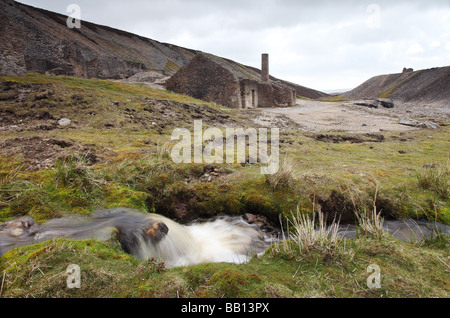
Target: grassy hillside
115,153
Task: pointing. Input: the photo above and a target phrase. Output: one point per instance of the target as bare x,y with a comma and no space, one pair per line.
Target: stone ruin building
227,83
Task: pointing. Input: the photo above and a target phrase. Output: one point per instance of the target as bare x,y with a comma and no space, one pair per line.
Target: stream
146,236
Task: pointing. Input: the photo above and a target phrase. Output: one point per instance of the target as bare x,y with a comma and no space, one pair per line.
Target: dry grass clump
284,177
307,232
370,224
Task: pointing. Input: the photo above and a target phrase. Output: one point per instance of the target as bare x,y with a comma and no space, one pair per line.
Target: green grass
333,99
407,271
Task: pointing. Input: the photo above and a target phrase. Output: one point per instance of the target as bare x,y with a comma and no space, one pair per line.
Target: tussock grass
9,171
370,223
74,171
435,178
284,177
309,234
163,151
141,173
11,183
306,232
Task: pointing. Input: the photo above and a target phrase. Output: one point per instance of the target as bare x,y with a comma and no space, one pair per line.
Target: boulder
418,124
158,231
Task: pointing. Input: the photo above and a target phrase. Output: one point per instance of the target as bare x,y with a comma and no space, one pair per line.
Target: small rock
64,122
250,218
206,178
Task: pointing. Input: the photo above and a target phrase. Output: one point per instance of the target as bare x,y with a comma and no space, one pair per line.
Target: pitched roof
239,71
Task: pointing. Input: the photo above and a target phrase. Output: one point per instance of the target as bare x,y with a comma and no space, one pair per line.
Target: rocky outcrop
383,102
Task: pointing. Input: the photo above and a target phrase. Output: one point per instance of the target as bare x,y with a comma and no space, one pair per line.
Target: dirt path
327,116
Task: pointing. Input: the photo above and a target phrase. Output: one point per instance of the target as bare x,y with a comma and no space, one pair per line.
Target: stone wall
275,95
249,94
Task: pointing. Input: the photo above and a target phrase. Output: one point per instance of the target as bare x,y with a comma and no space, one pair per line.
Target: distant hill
430,86
40,41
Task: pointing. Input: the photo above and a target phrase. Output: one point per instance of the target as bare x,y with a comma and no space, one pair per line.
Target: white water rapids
228,239
225,239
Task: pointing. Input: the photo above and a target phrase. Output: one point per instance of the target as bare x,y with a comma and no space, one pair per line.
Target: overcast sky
321,44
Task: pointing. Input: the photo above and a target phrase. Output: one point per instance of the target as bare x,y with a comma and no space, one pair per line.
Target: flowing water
223,239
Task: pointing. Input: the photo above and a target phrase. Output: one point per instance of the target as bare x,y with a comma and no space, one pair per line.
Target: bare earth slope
40,41
424,87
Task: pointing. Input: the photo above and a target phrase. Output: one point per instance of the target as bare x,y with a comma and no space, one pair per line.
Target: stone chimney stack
265,68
